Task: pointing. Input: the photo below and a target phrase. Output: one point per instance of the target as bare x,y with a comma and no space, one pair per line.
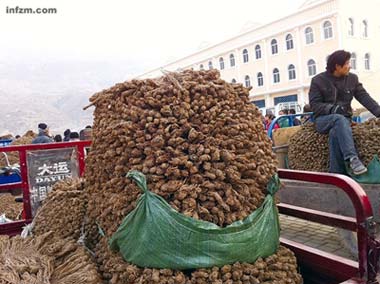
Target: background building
278,59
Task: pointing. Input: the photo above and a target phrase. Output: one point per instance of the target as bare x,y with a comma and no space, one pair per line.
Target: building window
245,56
233,81
311,67
221,63
258,51
350,26
201,67
353,61
247,81
327,30
292,72
367,62
259,103
276,75
365,28
285,99
232,60
210,65
289,42
260,79
274,46
309,36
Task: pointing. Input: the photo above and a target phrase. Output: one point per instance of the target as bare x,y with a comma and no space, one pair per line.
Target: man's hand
337,109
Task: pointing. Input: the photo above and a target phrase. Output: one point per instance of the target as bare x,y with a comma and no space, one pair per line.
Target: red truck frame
16,227
317,266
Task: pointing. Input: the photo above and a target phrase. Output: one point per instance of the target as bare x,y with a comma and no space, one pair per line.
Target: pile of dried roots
309,150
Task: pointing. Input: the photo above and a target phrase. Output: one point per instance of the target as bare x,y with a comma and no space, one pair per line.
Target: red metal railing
363,224
15,227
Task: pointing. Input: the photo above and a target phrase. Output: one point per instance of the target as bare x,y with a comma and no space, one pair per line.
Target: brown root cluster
10,207
63,211
45,260
13,157
197,138
309,150
279,268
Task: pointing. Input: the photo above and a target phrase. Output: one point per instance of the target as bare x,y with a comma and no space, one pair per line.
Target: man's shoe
357,166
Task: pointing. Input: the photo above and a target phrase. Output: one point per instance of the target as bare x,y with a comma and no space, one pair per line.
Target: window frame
351,26
232,60
353,61
221,63
365,28
289,42
245,55
247,81
309,36
292,72
276,76
258,52
312,67
274,46
327,30
260,79
367,62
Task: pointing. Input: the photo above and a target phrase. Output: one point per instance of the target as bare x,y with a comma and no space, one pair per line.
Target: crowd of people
286,121
44,135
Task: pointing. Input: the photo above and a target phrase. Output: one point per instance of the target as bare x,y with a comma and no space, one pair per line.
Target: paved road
313,234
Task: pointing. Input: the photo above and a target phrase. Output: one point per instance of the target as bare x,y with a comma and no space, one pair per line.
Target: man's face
343,70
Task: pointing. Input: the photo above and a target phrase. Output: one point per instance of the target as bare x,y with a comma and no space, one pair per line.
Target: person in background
17,136
268,120
284,122
66,135
58,138
74,136
330,96
296,121
86,133
43,135
306,118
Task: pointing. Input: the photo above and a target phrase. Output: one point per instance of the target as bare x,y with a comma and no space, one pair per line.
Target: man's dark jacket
327,91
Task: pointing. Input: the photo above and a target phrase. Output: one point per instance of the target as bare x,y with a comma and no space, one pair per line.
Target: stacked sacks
202,146
308,150
63,211
45,259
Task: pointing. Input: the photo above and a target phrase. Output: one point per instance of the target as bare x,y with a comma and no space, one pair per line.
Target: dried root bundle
45,260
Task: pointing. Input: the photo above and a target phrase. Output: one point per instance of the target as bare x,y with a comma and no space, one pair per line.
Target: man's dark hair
285,111
338,57
67,133
58,138
292,111
74,135
42,126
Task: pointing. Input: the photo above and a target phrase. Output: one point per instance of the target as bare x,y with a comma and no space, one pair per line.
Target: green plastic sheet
372,176
155,235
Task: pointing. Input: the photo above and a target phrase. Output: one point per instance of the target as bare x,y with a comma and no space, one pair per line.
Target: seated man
330,96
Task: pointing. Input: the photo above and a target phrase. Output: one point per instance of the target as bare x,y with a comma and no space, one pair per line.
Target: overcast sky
146,33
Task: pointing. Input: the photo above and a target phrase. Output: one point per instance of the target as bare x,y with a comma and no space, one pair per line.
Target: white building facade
279,59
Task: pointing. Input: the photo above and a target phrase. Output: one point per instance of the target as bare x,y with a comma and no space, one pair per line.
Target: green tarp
372,176
155,235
